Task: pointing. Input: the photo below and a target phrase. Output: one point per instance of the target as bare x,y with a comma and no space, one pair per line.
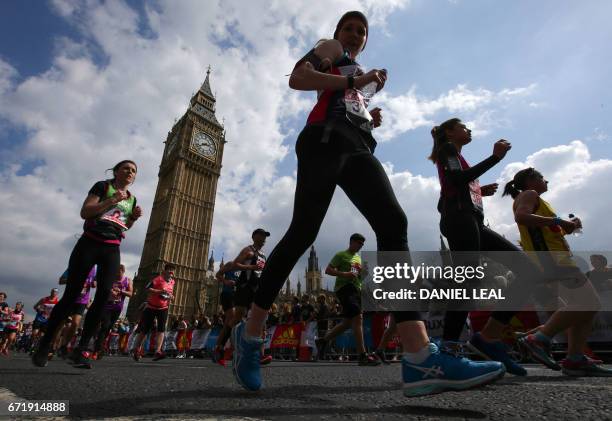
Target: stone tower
180,225
313,273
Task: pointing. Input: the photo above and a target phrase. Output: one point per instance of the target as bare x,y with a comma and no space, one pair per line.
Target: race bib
475,193
116,217
357,109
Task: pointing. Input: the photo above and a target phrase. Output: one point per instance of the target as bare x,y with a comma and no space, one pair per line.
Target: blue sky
84,80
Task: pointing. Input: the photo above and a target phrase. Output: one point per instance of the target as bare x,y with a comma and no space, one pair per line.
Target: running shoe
496,351
80,359
265,360
382,357
246,358
137,355
584,368
159,356
40,356
368,360
443,371
321,345
5,352
539,351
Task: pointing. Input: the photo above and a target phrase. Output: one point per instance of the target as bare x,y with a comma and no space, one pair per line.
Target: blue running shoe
442,371
496,351
245,361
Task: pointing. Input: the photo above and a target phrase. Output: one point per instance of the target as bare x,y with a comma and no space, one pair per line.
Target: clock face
204,144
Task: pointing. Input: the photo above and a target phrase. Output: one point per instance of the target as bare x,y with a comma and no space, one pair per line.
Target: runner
601,275
76,312
336,148
43,309
156,310
462,223
250,262
109,210
543,231
228,278
122,287
346,267
13,325
4,313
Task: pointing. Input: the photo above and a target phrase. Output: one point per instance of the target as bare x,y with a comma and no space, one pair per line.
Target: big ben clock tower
181,218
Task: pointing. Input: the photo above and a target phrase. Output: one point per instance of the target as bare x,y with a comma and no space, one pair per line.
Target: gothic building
180,225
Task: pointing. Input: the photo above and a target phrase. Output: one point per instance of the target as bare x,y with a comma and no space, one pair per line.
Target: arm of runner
93,206
308,73
129,291
449,158
134,217
37,305
332,271
245,254
526,204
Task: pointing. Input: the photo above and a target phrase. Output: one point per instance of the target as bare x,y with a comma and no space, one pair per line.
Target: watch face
204,144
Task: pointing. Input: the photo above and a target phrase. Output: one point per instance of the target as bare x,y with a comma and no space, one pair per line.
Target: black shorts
146,321
350,300
243,297
227,300
39,325
78,309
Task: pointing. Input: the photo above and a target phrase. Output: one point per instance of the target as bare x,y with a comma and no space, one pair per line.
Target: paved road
196,389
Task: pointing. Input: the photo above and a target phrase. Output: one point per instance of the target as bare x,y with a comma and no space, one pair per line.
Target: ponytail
511,190
519,183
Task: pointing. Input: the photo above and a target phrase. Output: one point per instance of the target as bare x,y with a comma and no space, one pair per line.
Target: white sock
421,355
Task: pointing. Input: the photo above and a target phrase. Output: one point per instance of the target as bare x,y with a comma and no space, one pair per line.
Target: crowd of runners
335,148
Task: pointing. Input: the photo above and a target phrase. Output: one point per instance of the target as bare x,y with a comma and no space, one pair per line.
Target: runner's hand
119,196
376,114
501,148
374,75
489,189
577,222
568,226
137,213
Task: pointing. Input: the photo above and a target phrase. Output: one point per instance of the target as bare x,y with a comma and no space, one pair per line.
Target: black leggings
108,319
465,231
348,163
86,253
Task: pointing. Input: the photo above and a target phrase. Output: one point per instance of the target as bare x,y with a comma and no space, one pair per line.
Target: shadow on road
311,399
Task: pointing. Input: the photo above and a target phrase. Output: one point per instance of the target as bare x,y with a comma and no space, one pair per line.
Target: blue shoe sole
433,386
235,360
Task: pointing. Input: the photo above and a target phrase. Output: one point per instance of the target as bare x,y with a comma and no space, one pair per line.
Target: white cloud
409,111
